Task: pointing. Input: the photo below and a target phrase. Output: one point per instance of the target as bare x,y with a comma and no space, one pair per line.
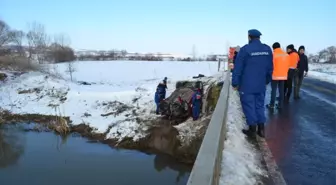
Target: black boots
255,129
261,130
251,131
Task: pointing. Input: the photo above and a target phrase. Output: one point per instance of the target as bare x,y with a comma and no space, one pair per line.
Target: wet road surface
302,137
32,158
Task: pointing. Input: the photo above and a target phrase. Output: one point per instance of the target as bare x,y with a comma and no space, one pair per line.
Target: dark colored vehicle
177,105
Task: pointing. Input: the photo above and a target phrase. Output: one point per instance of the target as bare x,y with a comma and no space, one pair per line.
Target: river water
32,158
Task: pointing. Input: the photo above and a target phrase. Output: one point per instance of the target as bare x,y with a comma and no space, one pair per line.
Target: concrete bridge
307,126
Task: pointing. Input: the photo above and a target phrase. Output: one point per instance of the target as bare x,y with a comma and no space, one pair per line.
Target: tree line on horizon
327,55
37,45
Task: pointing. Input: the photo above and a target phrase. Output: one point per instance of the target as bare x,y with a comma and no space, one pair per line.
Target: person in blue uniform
160,94
252,72
196,102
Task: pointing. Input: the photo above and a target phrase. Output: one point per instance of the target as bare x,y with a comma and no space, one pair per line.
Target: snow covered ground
241,161
121,91
326,72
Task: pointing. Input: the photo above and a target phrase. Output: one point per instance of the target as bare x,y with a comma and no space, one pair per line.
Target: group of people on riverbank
196,100
255,66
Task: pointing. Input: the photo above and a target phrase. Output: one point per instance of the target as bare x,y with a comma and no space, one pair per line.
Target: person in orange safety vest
293,61
279,75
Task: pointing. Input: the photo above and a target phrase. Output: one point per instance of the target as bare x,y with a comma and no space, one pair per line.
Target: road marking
319,97
271,165
322,89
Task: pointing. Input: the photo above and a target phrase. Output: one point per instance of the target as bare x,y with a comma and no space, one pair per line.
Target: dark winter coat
302,65
160,93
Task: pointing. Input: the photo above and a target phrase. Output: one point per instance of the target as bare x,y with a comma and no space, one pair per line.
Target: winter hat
254,33
301,47
276,45
291,46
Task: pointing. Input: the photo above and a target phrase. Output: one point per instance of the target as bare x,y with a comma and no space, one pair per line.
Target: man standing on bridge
253,71
280,72
302,70
293,61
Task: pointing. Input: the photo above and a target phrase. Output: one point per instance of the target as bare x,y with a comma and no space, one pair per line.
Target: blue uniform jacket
160,93
196,98
253,68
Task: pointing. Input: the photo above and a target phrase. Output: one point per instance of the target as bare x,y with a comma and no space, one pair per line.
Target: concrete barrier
207,167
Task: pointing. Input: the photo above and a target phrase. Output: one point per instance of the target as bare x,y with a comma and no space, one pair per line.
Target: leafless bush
60,51
59,54
18,63
70,69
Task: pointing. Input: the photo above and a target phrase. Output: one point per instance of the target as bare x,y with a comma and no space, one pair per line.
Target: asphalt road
302,137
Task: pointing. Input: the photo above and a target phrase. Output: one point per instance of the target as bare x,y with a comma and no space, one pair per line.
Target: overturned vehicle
178,105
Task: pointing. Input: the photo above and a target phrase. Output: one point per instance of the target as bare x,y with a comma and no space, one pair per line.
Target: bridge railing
207,167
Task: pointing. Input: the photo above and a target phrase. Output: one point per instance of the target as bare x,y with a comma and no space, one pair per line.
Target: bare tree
70,69
4,33
111,54
322,55
101,55
62,40
123,53
331,54
17,38
38,41
312,58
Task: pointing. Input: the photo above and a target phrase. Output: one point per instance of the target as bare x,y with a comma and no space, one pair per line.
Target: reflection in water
163,161
79,162
11,147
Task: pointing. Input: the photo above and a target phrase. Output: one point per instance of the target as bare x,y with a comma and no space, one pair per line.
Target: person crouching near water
160,94
196,102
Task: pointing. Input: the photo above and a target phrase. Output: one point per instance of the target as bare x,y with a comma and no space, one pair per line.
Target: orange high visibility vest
280,64
293,60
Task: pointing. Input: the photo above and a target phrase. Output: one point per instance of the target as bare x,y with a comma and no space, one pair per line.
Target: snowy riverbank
119,94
